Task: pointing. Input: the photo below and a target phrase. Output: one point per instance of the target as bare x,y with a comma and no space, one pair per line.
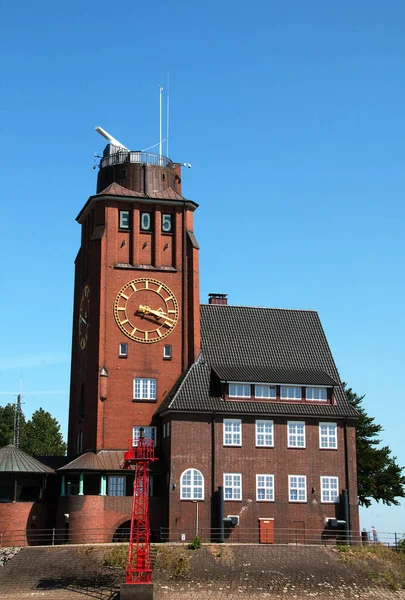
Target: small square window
124,219
167,352
116,486
123,351
167,224
146,221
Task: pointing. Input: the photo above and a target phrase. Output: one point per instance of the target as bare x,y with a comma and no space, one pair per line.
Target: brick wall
194,440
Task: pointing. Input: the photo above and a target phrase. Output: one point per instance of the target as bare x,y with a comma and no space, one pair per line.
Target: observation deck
137,170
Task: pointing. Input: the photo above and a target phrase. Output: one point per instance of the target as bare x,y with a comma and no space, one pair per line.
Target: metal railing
236,535
128,156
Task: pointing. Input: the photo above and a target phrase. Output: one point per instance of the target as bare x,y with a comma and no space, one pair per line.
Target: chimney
217,298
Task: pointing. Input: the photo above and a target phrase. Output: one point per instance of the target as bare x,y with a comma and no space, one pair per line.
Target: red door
266,531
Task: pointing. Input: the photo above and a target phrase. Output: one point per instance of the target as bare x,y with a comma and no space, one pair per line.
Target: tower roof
14,460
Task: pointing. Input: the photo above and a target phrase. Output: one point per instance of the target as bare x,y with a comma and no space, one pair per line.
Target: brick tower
136,321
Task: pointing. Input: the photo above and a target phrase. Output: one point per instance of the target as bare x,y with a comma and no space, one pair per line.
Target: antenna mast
17,419
167,116
160,121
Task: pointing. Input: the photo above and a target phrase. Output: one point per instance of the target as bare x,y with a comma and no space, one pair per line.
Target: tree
39,436
379,475
42,436
7,416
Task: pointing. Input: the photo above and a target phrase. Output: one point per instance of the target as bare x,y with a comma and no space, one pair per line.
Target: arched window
192,485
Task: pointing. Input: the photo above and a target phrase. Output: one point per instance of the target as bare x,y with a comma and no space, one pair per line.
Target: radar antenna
110,138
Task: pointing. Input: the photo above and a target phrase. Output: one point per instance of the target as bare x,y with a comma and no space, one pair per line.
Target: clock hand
146,310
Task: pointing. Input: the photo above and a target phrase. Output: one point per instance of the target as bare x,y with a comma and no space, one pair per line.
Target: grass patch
173,559
381,564
117,557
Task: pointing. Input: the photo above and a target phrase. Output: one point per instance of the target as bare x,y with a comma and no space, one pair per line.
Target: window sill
144,400
232,445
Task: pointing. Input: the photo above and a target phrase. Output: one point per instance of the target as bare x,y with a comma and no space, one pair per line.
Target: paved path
251,572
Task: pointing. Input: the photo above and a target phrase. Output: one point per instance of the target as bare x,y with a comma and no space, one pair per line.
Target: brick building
252,428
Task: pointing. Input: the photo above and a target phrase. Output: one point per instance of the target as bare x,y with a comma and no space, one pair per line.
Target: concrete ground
216,572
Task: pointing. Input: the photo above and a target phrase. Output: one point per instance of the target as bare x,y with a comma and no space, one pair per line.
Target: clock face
146,310
84,317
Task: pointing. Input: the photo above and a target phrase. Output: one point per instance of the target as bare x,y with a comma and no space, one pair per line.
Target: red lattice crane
139,565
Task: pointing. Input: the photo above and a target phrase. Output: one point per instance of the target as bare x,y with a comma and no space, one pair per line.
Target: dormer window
239,390
266,391
316,393
290,392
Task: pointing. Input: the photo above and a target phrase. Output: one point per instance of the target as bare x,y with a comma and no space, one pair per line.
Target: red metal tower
139,566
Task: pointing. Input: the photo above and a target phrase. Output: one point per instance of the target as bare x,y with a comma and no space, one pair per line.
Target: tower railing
129,156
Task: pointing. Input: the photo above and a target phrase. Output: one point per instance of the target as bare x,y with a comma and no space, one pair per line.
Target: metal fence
236,535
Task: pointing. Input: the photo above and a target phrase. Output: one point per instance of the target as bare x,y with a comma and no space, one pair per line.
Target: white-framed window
290,392
240,390
123,350
144,389
167,352
149,433
265,487
329,489
232,432
316,393
328,435
192,485
232,486
265,391
296,434
116,485
265,433
297,488
124,219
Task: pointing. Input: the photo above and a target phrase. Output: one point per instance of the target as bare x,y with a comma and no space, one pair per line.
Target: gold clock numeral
121,308
124,321
133,286
158,332
159,288
124,296
134,331
146,335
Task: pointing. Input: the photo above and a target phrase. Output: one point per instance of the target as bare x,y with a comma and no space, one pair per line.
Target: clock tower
136,325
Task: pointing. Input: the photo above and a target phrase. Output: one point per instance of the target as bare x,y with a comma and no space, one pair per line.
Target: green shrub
195,543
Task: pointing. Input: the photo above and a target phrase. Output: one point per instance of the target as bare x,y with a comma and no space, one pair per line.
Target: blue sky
292,115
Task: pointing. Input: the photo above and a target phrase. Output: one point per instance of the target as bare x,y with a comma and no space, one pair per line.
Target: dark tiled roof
273,375
249,340
104,460
14,460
